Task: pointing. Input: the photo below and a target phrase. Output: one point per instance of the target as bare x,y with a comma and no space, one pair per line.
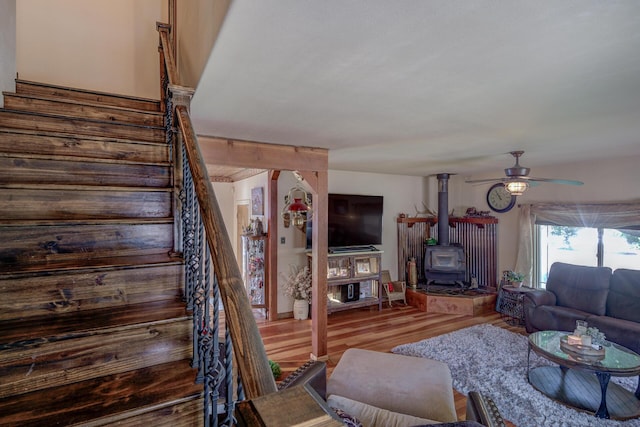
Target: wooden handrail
251,356
170,63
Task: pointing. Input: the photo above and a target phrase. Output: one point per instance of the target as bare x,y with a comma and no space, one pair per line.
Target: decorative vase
300,309
516,284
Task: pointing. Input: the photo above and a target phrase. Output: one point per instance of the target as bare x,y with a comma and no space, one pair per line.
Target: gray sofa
608,301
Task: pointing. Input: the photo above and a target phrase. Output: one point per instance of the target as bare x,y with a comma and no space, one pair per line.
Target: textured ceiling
419,87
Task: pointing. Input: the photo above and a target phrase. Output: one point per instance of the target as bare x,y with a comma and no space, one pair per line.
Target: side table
510,304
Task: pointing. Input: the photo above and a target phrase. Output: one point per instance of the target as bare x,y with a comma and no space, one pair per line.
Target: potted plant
275,369
515,278
298,286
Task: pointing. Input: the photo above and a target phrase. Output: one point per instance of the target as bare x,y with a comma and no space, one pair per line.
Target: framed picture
363,267
257,204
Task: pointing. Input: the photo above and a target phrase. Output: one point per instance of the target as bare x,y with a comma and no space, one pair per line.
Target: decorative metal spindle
240,393
201,298
189,234
217,372
208,344
229,405
168,115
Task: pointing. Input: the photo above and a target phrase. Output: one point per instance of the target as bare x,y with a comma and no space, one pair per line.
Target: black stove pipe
443,209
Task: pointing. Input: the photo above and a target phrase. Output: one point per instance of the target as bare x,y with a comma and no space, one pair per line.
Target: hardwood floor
288,341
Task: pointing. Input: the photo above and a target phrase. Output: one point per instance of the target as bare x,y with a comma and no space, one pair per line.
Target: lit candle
573,340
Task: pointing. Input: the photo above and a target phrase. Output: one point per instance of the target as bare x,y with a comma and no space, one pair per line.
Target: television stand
353,278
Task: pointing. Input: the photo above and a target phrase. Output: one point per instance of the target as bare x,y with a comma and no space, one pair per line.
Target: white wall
402,194
613,179
7,46
199,22
225,195
105,45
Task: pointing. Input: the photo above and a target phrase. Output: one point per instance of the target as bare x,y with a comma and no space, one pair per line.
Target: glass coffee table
582,382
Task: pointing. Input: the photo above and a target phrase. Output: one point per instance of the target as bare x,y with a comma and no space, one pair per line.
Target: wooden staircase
93,327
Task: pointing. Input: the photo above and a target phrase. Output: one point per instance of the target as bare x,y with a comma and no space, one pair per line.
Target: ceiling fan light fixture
516,188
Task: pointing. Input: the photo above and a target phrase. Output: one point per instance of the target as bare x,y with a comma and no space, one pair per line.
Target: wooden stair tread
79,126
16,332
111,189
74,137
30,143
101,397
7,271
81,109
81,159
19,170
60,202
104,98
86,221
185,412
89,221
24,113
88,102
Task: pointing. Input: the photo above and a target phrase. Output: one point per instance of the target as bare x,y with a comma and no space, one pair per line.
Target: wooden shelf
361,267
334,306
432,220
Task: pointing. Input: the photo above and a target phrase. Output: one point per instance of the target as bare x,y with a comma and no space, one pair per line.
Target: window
607,247
605,234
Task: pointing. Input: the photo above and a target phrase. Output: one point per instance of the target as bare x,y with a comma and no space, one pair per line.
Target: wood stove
444,263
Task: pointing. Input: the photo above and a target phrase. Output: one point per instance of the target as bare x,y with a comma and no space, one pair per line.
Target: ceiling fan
517,178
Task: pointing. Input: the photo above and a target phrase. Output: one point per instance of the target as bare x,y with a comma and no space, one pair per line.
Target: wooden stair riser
33,296
69,203
65,359
26,142
100,397
24,245
84,111
49,123
15,170
40,89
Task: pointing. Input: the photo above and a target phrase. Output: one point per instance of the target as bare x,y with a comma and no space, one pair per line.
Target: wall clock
499,199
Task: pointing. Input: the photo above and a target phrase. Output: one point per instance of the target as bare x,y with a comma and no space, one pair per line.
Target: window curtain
625,215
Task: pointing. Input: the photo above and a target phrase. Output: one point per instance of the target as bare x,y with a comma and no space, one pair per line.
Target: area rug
493,361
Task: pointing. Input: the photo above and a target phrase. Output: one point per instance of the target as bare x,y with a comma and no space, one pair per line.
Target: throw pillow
373,416
347,419
390,287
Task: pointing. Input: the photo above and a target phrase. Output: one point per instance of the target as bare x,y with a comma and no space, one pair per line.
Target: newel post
177,95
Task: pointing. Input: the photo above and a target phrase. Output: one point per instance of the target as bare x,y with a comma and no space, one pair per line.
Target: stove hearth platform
453,301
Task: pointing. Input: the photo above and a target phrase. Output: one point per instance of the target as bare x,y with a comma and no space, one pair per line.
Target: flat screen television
353,220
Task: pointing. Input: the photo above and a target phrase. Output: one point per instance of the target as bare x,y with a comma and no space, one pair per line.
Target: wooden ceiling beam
250,154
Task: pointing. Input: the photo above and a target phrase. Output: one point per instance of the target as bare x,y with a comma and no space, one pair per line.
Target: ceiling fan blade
557,181
518,173
480,181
